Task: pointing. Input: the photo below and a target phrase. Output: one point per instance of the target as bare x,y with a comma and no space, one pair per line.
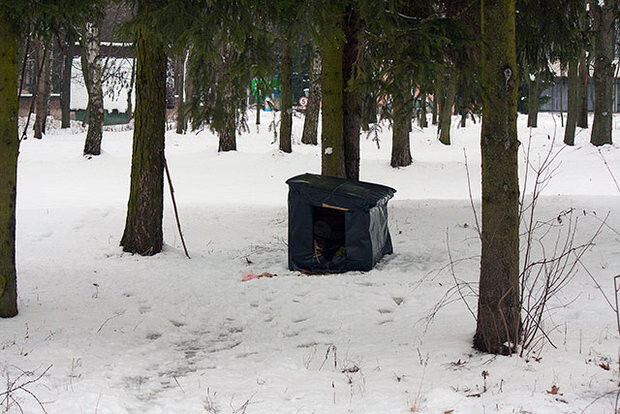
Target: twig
454,276
471,198
609,169
174,204
116,315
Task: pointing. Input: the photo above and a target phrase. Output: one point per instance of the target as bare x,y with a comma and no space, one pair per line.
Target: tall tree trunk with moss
533,101
9,149
143,229
402,114
499,319
447,93
179,72
311,122
351,109
286,102
574,98
41,104
603,78
584,65
93,72
65,87
332,145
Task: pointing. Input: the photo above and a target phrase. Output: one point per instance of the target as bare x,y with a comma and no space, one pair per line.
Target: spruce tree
498,323
603,16
9,148
143,227
15,17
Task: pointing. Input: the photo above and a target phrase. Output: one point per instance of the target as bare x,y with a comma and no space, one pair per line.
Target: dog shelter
336,225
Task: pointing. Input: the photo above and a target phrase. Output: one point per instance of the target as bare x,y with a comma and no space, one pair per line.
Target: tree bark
93,72
228,135
65,88
286,101
9,149
447,92
311,122
584,64
422,121
352,111
143,229
499,323
332,145
41,105
533,101
179,71
603,77
574,98
402,114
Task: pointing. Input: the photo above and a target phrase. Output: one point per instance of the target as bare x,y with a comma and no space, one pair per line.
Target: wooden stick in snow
174,204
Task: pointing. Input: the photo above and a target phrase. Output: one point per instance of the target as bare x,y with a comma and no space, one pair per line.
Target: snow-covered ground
118,333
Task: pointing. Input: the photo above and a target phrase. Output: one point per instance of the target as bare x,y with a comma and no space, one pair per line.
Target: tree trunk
499,322
65,88
434,110
402,114
311,122
286,101
574,98
332,145
533,101
447,92
228,138
603,77
143,229
9,148
422,121
41,104
584,64
179,71
93,72
351,109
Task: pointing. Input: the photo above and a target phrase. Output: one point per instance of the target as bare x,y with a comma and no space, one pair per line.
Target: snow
122,333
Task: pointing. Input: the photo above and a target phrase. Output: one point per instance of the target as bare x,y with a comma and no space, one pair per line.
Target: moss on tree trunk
603,77
286,106
352,109
498,323
9,146
401,147
143,229
332,146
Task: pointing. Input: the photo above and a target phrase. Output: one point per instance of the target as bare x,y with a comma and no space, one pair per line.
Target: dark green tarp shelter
336,225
